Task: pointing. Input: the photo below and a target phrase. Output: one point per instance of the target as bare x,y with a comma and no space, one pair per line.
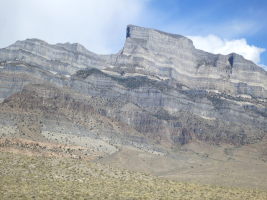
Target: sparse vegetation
25,177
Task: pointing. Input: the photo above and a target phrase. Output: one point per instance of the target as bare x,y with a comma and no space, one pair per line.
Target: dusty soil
223,165
35,177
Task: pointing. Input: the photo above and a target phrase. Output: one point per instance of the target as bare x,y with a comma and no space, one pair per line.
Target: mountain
158,85
158,94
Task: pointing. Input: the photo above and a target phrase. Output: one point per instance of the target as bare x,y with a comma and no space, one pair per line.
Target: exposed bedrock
158,89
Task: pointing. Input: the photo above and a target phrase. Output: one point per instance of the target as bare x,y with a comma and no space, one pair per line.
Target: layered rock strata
158,91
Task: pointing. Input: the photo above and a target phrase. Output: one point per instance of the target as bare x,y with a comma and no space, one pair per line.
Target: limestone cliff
159,90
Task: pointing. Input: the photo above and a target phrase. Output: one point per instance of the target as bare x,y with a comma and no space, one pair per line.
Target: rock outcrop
158,91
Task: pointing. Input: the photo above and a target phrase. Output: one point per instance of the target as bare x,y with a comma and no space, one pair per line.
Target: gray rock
158,90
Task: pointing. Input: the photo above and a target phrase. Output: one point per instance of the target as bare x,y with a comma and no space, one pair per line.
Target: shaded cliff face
158,91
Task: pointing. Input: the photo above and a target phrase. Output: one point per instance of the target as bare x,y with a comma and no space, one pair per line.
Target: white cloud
98,24
215,44
263,66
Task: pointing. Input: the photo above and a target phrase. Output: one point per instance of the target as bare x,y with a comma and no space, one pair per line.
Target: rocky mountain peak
155,40
74,47
138,32
35,45
28,44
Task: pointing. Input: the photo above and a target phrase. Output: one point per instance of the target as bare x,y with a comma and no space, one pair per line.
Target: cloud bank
217,45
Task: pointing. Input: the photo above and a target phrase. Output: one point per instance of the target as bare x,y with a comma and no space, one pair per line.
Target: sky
221,26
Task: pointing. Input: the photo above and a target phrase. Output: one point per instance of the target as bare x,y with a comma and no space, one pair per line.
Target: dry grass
31,177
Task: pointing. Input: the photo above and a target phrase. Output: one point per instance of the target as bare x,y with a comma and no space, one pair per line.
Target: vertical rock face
156,41
173,56
158,89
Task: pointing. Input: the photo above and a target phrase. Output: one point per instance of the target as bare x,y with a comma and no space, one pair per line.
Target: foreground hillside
34,177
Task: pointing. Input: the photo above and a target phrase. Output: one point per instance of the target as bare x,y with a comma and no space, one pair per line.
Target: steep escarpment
173,56
157,93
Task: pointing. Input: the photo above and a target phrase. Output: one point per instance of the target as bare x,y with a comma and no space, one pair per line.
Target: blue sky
217,26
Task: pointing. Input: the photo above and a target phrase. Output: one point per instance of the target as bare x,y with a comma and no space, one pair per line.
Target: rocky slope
157,93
